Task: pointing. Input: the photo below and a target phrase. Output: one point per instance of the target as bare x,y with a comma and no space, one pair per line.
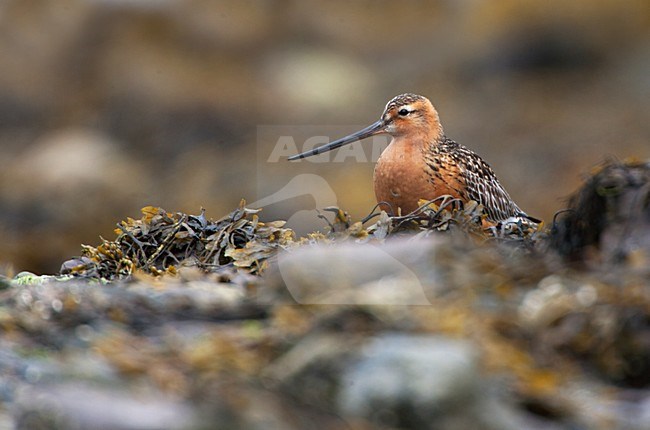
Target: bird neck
428,129
423,136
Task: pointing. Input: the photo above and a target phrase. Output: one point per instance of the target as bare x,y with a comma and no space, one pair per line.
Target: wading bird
422,163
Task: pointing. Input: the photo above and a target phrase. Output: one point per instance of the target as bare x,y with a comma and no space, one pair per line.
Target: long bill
371,130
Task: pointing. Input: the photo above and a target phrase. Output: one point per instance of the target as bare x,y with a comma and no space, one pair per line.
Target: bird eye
403,112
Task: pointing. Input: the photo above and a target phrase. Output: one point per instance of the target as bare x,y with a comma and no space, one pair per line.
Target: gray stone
395,273
81,406
411,381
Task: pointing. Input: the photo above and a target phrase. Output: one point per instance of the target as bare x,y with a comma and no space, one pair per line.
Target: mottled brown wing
475,178
484,187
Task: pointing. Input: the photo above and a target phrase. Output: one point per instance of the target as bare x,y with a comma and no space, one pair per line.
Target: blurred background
108,106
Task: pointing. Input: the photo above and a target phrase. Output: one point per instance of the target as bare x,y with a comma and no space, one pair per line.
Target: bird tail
528,217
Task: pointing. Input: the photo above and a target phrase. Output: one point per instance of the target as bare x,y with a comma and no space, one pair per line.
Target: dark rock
609,217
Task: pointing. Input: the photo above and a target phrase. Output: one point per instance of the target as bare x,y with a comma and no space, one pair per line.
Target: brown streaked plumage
422,163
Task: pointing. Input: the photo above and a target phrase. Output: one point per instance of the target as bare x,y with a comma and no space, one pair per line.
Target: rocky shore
183,322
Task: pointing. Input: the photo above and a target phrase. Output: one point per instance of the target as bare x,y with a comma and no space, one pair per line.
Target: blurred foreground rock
496,348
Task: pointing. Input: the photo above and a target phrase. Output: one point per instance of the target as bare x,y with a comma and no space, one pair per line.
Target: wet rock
67,406
393,380
422,382
311,370
608,329
47,306
242,406
608,219
401,271
393,274
497,345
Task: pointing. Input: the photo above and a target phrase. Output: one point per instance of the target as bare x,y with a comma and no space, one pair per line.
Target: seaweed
160,242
